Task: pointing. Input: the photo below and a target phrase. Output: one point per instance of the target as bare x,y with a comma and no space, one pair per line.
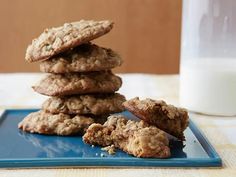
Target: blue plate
20,149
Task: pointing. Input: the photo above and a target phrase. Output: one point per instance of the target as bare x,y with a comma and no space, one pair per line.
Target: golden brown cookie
136,138
96,104
55,124
168,118
56,40
78,83
84,58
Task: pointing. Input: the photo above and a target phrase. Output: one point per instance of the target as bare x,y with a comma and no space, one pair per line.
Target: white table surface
16,92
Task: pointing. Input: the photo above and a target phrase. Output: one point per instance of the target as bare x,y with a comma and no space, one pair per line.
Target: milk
208,85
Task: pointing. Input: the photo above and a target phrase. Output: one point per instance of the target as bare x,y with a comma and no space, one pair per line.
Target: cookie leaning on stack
80,82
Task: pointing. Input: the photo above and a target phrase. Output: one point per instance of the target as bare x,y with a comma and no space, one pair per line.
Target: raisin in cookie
56,40
169,118
136,138
78,83
85,104
84,58
55,124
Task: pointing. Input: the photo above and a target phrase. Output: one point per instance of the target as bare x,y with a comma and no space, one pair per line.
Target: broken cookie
136,138
167,117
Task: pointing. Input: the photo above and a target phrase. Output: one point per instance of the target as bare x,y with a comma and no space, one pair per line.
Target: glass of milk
208,57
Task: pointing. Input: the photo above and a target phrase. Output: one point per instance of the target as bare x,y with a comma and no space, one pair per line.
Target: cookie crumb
102,155
110,149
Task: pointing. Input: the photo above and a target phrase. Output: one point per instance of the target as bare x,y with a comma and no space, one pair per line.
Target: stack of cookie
81,85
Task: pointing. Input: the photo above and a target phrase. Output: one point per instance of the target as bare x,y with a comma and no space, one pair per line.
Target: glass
208,57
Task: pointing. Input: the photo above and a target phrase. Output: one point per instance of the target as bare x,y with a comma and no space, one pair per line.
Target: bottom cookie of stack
70,115
60,124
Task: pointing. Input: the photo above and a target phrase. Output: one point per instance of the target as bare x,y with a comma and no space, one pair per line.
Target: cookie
84,58
167,117
78,83
56,40
55,124
99,104
136,138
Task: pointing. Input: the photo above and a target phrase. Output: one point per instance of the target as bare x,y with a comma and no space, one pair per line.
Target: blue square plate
20,149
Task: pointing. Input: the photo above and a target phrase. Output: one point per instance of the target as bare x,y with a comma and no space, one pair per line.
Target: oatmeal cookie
167,117
55,124
136,138
56,40
78,83
85,104
84,58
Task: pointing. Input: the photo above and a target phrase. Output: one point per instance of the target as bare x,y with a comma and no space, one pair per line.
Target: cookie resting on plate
55,124
136,138
167,117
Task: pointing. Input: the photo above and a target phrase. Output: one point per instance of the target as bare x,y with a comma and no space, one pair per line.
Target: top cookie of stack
57,40
80,82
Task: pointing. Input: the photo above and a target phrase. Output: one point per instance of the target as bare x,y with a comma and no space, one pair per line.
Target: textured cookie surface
136,138
56,40
169,118
84,58
78,83
55,124
99,104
